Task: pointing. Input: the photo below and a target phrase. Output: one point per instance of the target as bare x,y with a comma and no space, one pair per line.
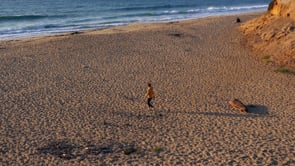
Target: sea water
27,18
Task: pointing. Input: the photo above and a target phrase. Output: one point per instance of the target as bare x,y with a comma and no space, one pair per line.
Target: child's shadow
257,109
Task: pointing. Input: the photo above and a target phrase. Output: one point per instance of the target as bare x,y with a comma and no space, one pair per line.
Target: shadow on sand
68,150
257,109
139,115
254,111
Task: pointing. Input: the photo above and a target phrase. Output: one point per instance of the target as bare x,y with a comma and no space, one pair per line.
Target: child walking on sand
149,95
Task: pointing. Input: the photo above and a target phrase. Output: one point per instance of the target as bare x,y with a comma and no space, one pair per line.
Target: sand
79,99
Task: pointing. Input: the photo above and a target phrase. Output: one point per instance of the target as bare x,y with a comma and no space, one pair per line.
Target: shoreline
79,99
114,27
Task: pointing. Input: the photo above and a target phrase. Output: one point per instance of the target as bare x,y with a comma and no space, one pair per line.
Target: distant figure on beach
149,95
238,20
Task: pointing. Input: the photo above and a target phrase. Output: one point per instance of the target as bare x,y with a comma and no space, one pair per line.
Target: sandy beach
78,99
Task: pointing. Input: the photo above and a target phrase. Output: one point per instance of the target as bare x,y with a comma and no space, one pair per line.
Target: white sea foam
43,20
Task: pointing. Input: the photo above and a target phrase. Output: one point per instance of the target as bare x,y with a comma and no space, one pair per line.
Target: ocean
28,18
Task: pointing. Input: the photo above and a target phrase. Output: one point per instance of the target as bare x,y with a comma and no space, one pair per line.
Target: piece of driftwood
238,105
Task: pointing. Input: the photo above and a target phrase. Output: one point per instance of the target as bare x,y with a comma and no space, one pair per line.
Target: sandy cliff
283,8
273,34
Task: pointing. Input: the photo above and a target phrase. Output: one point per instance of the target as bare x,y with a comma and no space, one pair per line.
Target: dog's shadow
257,109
